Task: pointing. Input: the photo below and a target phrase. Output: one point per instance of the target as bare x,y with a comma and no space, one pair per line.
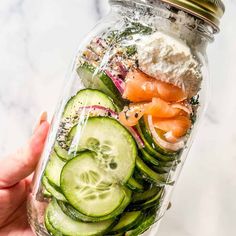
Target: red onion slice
123,69
136,136
172,139
167,145
184,107
119,83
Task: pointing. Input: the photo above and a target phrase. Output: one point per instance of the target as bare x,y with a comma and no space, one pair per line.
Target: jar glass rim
208,19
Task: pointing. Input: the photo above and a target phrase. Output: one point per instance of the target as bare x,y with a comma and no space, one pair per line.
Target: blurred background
38,40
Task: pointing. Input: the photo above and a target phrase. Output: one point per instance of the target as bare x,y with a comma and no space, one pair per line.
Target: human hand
15,180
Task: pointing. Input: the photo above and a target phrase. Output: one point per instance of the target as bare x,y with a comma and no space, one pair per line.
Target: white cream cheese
170,60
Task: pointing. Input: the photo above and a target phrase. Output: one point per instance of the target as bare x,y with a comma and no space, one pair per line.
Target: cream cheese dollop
170,60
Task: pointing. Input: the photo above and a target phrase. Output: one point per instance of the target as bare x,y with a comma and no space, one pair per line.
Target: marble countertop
38,40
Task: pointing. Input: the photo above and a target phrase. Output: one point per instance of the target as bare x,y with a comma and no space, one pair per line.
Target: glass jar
126,121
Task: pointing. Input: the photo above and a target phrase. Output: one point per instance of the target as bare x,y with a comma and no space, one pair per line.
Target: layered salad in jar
121,135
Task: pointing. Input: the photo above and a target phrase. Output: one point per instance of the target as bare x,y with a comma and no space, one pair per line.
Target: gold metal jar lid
208,10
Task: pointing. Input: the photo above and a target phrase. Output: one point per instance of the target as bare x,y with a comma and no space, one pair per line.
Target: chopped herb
193,118
131,29
112,36
194,101
131,50
135,28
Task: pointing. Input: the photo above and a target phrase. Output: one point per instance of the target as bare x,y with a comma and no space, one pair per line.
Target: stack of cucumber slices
98,182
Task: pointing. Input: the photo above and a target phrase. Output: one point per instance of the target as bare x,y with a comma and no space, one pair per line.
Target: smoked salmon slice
140,87
161,109
157,108
179,125
131,114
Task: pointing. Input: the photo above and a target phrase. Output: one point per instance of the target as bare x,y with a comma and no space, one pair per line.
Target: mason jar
126,120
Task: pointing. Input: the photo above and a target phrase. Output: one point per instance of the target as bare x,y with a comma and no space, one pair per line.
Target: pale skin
15,178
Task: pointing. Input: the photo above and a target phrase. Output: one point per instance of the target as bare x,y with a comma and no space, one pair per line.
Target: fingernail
43,117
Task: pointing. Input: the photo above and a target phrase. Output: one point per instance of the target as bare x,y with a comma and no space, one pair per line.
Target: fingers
43,117
22,163
10,200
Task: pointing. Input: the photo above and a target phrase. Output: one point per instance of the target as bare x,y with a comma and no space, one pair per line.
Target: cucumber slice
151,149
53,169
139,198
127,221
148,158
157,166
148,136
76,215
134,185
95,79
62,153
152,176
163,164
138,176
87,97
46,193
162,170
154,201
165,167
144,226
50,228
67,226
51,189
88,188
114,146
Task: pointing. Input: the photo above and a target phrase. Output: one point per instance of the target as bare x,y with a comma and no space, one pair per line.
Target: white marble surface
38,39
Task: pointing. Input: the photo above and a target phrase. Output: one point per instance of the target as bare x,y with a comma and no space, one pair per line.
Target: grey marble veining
38,40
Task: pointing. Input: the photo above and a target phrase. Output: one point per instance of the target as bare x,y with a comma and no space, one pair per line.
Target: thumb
21,164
